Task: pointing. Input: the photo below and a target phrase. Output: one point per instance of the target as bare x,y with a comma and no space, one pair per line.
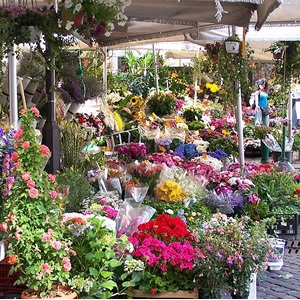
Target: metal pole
195,93
240,129
290,110
155,69
51,132
104,74
12,83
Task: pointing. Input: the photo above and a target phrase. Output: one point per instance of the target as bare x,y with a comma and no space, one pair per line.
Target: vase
264,150
29,92
71,295
232,47
190,294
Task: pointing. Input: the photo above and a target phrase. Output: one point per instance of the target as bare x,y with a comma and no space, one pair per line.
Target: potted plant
277,48
162,104
175,271
36,244
232,44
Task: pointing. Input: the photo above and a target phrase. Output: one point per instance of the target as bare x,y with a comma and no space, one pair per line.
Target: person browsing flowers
261,103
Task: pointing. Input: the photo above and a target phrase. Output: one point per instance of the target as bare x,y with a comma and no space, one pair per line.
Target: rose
34,220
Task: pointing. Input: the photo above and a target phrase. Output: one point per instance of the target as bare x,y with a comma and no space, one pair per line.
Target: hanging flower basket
232,47
278,55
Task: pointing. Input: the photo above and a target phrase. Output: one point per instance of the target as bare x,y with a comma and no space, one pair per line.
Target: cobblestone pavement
273,284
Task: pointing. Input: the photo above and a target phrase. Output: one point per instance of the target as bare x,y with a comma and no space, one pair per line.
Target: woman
261,101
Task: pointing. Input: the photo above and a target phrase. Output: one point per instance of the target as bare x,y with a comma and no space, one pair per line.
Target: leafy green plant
228,145
31,220
296,144
195,125
276,47
192,114
161,104
98,255
79,188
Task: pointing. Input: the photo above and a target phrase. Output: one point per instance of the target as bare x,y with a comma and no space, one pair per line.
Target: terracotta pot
78,19
73,295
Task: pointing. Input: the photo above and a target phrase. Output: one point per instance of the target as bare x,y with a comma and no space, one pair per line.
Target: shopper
261,103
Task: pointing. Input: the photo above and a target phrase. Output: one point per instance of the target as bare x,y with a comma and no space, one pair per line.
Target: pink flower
3,227
17,236
51,177
101,201
9,181
46,238
51,232
46,268
26,176
18,134
53,194
18,164
26,145
35,111
33,193
38,276
253,198
65,260
67,267
30,184
73,252
56,245
45,150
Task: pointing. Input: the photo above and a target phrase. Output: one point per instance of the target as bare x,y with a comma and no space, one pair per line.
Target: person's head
262,84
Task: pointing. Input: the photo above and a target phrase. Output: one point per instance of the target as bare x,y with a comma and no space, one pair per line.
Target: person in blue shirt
261,100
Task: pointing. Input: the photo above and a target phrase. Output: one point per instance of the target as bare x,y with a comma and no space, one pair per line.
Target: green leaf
108,284
109,254
136,276
93,271
123,276
106,274
115,263
90,256
128,283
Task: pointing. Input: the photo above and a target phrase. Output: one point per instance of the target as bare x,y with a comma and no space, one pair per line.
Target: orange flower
12,260
22,111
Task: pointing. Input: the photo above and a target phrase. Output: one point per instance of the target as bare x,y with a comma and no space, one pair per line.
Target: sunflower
134,114
134,101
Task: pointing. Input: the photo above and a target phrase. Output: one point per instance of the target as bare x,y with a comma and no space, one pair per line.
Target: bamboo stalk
22,92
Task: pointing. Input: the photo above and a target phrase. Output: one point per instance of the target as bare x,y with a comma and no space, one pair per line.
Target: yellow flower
204,156
212,87
288,196
193,214
179,80
134,101
212,127
178,120
134,114
296,196
170,192
225,132
174,75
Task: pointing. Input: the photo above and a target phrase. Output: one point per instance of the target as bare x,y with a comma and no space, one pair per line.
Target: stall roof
162,19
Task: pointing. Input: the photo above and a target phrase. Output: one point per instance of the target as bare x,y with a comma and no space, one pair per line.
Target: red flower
152,291
14,156
297,192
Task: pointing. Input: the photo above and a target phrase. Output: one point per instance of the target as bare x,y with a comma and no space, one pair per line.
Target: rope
79,72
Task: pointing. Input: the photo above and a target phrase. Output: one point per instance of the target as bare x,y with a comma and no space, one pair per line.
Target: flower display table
190,294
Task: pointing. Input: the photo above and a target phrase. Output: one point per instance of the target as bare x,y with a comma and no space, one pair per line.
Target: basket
7,281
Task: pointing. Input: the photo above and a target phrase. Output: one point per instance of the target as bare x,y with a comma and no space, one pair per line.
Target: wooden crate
190,294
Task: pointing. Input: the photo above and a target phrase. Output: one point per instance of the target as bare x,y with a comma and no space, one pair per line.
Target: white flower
107,223
69,25
68,3
111,26
107,33
77,8
170,212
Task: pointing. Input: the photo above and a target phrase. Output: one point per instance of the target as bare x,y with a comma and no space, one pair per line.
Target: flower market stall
149,198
